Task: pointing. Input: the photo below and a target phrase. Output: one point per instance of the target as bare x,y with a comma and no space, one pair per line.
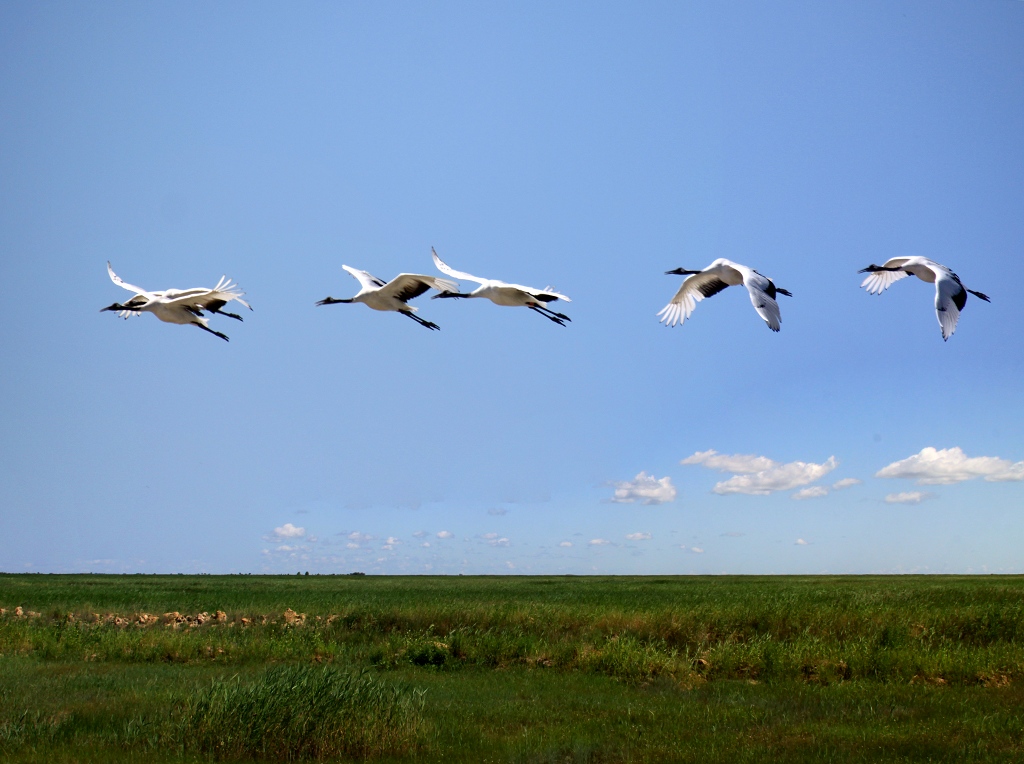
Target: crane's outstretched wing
124,285
449,271
227,291
365,278
694,289
544,295
950,298
406,286
762,297
207,299
879,281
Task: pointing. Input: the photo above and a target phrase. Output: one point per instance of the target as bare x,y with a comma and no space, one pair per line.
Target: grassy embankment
522,669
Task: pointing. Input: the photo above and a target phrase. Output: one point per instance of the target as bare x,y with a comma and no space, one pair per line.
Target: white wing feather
404,281
449,271
766,307
879,281
365,278
945,308
124,285
689,294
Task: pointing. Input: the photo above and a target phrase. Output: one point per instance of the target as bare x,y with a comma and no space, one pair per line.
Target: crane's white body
179,306
393,295
950,294
719,275
505,294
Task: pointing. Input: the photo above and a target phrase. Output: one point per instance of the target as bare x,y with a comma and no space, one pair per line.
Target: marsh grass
520,669
300,712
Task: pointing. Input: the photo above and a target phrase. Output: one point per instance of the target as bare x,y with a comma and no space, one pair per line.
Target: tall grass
301,712
954,629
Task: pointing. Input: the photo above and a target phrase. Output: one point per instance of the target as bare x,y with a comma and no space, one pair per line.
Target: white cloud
813,492
781,477
907,497
490,535
565,543
738,464
645,488
419,534
638,536
598,542
425,543
845,483
498,542
692,549
445,534
288,531
392,540
351,545
360,537
801,542
950,465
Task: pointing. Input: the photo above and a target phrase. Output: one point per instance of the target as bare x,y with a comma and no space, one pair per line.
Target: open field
545,669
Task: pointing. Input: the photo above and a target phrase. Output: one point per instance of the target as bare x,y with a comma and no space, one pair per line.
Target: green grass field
520,669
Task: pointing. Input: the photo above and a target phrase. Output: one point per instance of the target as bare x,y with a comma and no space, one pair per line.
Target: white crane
509,295
720,274
179,306
393,295
950,294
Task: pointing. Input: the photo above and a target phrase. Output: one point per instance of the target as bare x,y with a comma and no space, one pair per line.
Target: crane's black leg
420,321
211,331
553,317
558,315
225,313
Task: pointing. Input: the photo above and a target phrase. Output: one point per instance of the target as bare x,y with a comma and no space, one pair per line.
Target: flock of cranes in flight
189,306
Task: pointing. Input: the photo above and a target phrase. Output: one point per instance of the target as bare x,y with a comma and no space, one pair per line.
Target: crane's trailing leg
211,331
420,321
556,317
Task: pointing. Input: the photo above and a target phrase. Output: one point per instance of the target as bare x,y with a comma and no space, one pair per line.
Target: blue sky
585,146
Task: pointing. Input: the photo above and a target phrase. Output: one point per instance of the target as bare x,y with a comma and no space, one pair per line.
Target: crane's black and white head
681,272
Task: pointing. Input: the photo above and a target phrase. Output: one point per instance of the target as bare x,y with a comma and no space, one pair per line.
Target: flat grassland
521,669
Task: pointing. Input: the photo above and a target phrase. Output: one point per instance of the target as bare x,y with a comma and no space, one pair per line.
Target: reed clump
301,713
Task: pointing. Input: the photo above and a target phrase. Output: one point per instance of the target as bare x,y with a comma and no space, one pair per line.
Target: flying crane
395,294
179,306
950,294
720,274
